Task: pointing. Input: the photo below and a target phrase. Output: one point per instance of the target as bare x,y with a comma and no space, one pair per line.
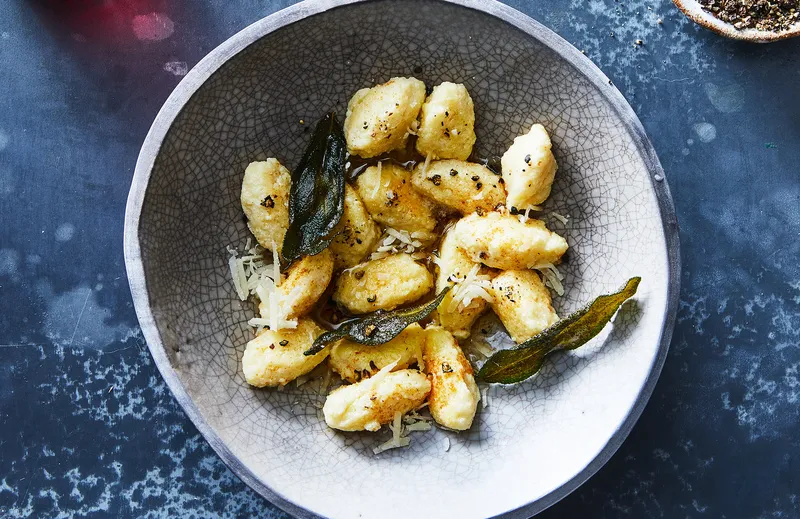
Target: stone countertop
89,429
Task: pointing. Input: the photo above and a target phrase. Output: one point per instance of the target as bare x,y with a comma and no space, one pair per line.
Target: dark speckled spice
764,15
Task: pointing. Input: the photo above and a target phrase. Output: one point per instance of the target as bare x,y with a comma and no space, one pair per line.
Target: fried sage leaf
316,198
524,361
379,327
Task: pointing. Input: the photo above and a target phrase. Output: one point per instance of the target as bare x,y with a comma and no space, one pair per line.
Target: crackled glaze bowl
534,442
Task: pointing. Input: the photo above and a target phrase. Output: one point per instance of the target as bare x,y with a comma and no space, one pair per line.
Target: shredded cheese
395,241
560,217
551,276
401,428
239,279
253,276
426,164
397,440
379,182
473,286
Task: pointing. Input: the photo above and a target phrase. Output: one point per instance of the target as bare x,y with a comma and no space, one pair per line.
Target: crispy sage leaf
524,361
378,327
316,198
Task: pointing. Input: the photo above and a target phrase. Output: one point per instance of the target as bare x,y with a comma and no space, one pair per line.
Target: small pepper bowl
696,13
255,97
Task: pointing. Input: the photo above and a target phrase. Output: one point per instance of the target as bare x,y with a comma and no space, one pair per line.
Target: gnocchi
356,232
368,404
353,361
451,315
462,186
425,200
447,123
529,168
382,284
454,394
502,241
265,201
275,358
391,199
379,118
522,303
305,282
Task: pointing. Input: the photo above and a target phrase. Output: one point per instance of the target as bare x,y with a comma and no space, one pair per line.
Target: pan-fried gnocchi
265,201
447,123
391,199
502,241
463,186
379,118
353,361
454,264
368,404
275,358
454,395
414,223
382,284
529,168
522,303
356,233
305,282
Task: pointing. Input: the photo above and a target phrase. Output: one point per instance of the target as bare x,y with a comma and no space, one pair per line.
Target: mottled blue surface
88,428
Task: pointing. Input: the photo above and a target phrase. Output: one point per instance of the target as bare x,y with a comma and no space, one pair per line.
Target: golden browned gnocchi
522,303
379,118
454,395
306,280
265,201
460,185
391,199
529,168
382,284
502,241
447,123
395,211
356,232
275,358
354,361
453,315
368,404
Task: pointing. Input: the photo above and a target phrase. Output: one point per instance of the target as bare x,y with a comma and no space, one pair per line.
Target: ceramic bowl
697,14
536,441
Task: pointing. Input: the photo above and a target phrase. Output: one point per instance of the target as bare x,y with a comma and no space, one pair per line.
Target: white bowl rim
249,35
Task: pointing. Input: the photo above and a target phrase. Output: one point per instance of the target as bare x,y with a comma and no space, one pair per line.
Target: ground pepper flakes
764,15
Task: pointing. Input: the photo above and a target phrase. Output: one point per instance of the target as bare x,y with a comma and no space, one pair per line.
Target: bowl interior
533,438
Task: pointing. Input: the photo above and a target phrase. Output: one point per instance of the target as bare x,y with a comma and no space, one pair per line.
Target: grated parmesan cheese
426,164
473,286
560,217
253,276
395,241
418,426
397,440
379,183
485,397
401,428
551,276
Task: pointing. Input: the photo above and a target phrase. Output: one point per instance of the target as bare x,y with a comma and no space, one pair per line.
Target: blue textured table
88,428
